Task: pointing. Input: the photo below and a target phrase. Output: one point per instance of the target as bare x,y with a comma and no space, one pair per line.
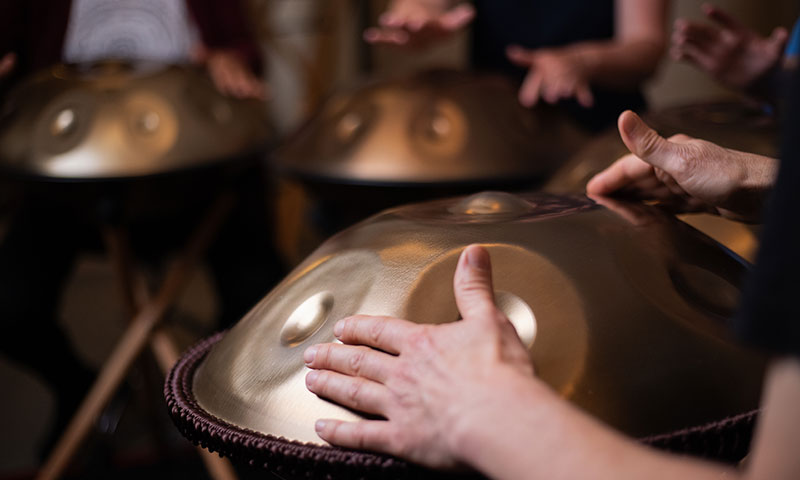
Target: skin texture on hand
730,52
231,76
418,377
686,174
419,23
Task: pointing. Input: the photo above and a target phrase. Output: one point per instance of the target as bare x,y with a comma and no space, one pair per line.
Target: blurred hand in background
730,52
419,23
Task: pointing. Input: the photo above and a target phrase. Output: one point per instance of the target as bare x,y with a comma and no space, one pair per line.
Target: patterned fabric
155,30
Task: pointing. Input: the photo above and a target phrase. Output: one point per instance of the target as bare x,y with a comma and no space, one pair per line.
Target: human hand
553,75
418,23
232,77
687,174
428,381
7,63
730,52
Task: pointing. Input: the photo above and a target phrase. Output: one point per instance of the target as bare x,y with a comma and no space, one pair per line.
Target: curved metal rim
257,449
724,440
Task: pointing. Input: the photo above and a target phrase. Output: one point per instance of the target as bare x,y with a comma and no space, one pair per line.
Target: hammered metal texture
622,308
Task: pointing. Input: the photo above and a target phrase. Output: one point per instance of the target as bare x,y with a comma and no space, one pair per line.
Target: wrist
481,428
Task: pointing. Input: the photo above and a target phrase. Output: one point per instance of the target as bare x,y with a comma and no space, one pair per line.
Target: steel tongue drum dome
623,310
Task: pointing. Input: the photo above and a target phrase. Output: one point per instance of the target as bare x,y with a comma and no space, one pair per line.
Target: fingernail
476,258
310,353
319,425
338,328
311,378
629,123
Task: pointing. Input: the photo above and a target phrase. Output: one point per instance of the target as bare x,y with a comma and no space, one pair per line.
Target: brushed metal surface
117,120
731,124
623,310
434,127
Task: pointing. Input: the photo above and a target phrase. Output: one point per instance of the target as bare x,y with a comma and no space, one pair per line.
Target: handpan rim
299,459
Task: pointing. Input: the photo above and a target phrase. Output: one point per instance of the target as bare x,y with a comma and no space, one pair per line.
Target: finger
519,56
457,17
389,36
623,173
385,333
723,18
703,36
472,284
363,435
356,393
779,37
531,88
7,63
646,143
355,361
584,95
702,58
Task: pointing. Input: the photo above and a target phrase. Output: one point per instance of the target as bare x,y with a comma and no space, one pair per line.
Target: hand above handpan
553,75
687,174
430,382
730,52
418,23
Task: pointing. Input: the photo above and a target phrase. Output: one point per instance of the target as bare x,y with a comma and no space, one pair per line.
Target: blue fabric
793,46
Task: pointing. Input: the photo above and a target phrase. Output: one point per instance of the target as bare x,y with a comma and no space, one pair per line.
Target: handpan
438,127
118,120
736,125
622,307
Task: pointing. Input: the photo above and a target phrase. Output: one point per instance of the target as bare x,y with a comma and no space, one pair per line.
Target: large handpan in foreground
622,308
117,120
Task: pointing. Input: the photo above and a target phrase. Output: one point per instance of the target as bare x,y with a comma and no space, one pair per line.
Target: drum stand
147,311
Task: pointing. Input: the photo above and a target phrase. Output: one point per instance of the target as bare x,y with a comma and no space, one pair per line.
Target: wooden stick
133,340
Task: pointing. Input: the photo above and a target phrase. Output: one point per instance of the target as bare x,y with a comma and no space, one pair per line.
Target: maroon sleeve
223,25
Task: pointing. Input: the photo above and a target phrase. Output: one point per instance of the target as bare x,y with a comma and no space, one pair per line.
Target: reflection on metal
437,127
735,125
112,120
622,308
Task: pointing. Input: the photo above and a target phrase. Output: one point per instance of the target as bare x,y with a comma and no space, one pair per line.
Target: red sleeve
223,25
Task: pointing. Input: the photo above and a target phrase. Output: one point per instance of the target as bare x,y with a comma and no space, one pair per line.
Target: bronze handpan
119,120
623,310
438,127
738,125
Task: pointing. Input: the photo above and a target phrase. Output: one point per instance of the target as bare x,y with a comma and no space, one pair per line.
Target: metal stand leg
138,333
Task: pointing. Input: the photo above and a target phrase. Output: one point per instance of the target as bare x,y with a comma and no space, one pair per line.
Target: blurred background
310,49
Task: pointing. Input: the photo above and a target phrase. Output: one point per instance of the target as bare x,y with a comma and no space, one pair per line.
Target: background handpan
118,120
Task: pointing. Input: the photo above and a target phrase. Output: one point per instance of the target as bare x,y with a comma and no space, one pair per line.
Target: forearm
618,64
540,436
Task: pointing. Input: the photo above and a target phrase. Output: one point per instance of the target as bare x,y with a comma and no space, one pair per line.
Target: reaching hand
687,174
418,23
553,75
231,76
7,63
730,52
431,380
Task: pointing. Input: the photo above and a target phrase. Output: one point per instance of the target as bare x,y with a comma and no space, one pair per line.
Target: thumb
644,142
472,284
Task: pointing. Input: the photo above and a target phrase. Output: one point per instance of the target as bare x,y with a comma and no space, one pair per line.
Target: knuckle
375,331
356,361
354,391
